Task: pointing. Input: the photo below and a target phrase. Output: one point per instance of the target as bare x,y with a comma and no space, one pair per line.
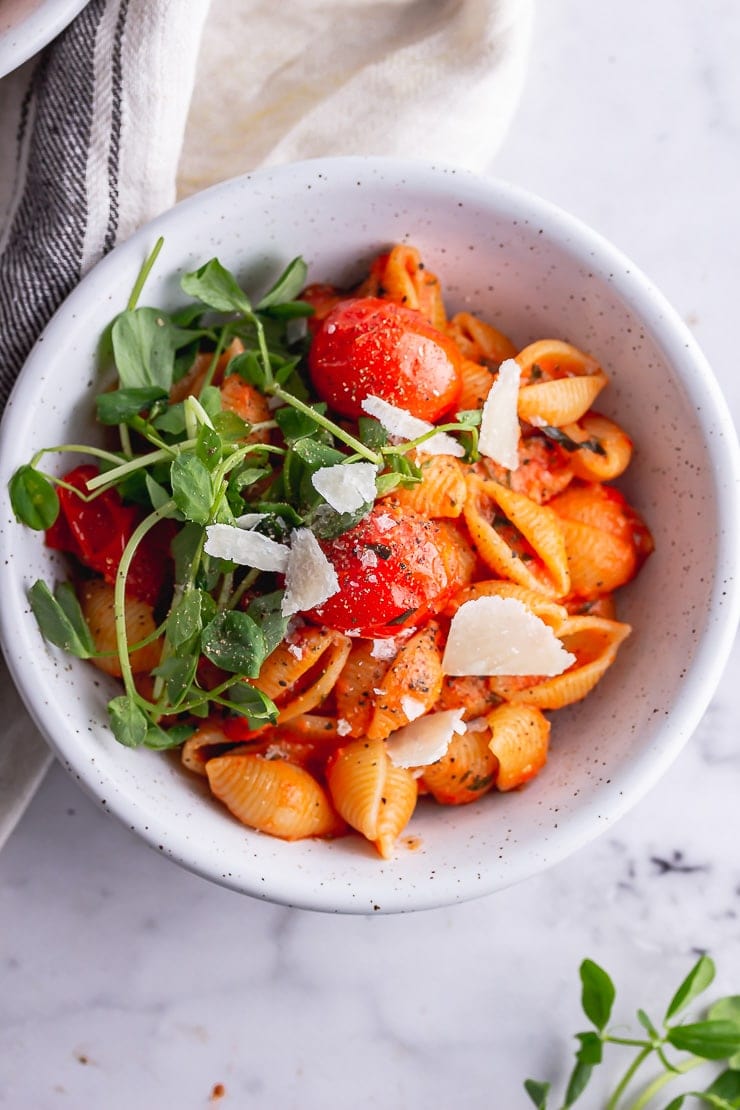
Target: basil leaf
161,739
557,435
144,349
712,1040
191,488
234,642
288,285
60,619
120,405
33,498
597,996
128,722
265,611
215,286
695,983
538,1092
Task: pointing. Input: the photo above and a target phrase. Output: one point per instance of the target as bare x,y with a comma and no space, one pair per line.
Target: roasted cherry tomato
368,345
394,569
97,531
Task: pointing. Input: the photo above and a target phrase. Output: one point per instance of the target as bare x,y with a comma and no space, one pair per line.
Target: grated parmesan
247,548
310,579
402,425
346,486
425,740
499,427
501,636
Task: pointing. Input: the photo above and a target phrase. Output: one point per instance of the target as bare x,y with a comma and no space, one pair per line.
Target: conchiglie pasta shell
198,748
520,737
272,796
416,674
614,442
598,562
400,276
476,385
595,642
465,772
370,793
479,341
472,693
561,401
287,676
441,492
356,685
539,526
555,359
547,610
96,599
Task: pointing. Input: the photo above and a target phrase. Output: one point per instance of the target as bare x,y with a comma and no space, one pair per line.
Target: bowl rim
719,440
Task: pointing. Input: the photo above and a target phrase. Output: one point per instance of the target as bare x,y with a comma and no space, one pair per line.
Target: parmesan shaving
346,486
412,707
310,579
499,426
248,520
384,649
501,636
403,425
247,548
425,740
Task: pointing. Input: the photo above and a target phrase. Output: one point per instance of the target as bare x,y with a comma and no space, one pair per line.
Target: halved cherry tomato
97,531
394,569
368,345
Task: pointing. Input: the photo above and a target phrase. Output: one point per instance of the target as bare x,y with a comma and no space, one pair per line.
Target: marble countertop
125,981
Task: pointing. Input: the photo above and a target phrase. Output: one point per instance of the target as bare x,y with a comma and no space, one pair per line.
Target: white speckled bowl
536,272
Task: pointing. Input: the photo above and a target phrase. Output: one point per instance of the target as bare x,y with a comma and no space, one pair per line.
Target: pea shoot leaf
120,405
712,1040
728,1009
234,642
60,618
597,993
265,611
191,488
538,1092
695,983
128,722
287,287
144,349
215,286
161,739
33,498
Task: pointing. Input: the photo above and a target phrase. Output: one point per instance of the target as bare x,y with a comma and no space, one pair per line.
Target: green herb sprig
194,463
716,1038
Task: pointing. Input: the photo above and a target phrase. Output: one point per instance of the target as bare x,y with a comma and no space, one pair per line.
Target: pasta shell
520,737
476,385
98,608
543,607
400,276
441,492
550,359
594,641
355,689
465,772
468,692
559,402
411,685
540,561
199,748
272,796
370,793
598,561
299,675
613,441
479,341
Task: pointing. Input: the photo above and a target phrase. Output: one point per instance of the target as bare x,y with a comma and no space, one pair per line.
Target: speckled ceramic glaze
534,272
26,26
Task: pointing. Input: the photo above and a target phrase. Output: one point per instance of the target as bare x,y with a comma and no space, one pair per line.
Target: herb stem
125,437
119,595
248,580
77,449
144,273
663,1080
628,1075
112,477
328,425
213,364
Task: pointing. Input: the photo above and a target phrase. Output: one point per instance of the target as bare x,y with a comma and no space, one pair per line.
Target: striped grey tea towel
92,129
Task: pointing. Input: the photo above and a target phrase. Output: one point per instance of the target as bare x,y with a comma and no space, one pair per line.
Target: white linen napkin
92,129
